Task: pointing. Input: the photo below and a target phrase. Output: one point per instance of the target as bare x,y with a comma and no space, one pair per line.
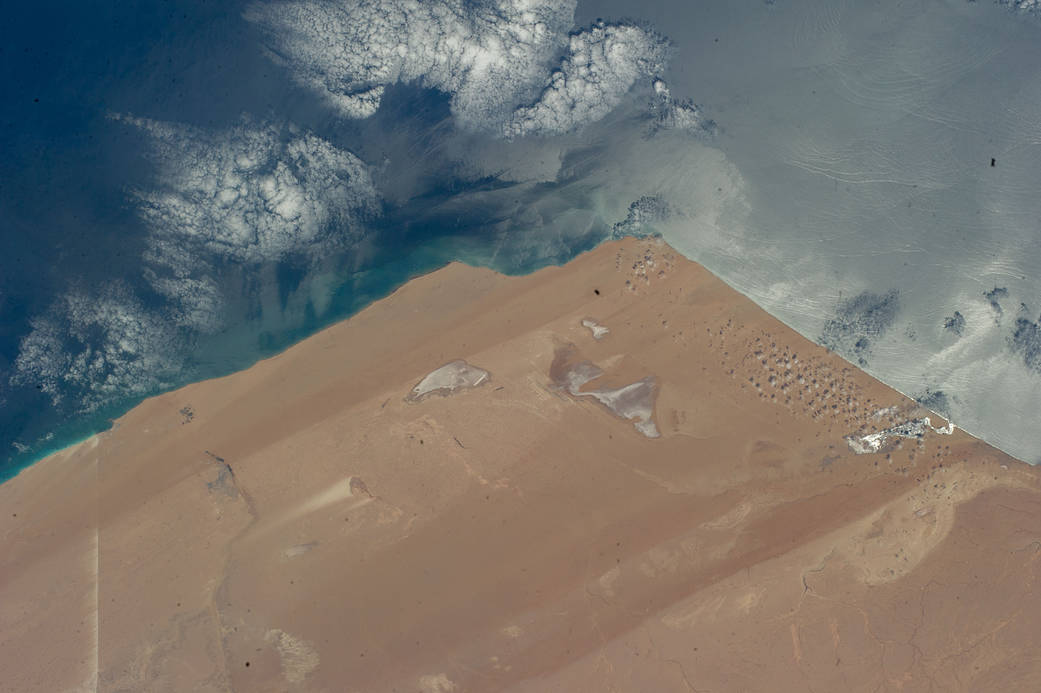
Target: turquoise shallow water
223,356
340,295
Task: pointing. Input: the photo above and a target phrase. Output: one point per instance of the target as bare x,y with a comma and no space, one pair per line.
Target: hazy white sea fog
862,135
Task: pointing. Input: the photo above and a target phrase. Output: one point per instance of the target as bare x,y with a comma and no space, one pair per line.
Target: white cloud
251,193
510,66
195,302
1025,5
488,55
601,65
243,196
100,346
678,115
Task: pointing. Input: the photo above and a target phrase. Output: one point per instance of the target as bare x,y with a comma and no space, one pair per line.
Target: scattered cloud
601,65
98,346
1023,5
247,195
678,115
251,193
512,67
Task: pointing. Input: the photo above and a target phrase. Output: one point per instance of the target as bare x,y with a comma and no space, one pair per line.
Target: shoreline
324,325
457,489
343,318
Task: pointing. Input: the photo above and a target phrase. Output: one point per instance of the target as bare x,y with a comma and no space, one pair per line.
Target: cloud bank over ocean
250,193
512,67
244,196
96,345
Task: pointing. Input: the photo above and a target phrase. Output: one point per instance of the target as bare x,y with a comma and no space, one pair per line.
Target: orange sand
308,528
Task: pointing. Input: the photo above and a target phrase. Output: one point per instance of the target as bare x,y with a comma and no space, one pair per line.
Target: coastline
441,258
305,507
396,271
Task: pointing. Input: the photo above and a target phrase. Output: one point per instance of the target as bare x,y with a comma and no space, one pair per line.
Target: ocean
187,188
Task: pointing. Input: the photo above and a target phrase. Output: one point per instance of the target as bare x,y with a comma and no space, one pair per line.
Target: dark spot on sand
596,291
356,485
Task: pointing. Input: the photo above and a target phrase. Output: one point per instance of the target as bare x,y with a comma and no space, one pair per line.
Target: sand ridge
312,526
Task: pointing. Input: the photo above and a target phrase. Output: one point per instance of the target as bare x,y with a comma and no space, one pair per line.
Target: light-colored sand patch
608,579
884,412
660,560
345,489
598,330
699,608
436,683
299,549
750,599
513,631
448,379
731,518
298,656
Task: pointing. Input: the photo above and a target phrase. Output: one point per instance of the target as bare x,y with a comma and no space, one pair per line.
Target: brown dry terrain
306,526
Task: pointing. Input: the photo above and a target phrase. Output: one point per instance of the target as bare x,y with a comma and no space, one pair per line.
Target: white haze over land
837,171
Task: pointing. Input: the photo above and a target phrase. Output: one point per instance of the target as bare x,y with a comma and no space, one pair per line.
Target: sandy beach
625,477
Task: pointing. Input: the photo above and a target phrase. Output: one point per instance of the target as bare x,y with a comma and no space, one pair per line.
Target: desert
614,475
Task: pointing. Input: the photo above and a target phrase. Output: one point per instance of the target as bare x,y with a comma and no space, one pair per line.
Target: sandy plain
306,525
